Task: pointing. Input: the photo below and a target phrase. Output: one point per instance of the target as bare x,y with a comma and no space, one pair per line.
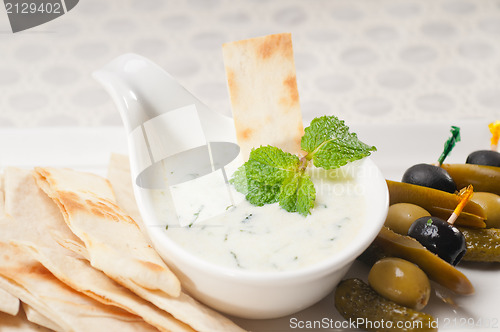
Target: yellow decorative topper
495,134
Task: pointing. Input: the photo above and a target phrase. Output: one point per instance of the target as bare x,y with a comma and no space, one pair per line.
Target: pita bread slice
79,275
28,280
64,264
188,310
114,241
121,182
19,323
8,303
35,215
35,317
182,307
21,292
263,91
74,246
2,197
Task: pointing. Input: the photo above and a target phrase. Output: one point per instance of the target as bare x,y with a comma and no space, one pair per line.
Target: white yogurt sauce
268,238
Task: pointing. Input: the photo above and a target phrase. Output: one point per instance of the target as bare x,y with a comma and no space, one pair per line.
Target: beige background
364,60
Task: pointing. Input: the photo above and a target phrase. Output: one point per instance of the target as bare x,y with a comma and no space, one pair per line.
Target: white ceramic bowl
262,295
146,96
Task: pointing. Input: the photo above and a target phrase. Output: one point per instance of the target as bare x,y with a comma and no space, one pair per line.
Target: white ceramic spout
173,137
163,119
179,147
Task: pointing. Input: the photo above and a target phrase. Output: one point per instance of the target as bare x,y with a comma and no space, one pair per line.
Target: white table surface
401,146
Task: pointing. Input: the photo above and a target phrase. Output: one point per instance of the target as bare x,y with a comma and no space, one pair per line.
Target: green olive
400,281
491,204
391,244
401,215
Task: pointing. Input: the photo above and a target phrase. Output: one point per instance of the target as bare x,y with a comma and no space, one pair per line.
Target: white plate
398,148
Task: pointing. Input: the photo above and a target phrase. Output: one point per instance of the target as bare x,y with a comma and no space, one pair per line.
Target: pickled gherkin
357,301
483,245
390,244
483,178
438,203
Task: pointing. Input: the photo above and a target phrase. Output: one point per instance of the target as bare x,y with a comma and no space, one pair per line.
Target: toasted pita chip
35,317
18,323
64,264
35,215
79,275
74,246
263,89
184,307
33,284
121,182
72,201
188,310
2,198
8,303
114,241
22,276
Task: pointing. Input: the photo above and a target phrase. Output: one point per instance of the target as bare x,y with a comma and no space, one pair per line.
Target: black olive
439,237
430,176
484,157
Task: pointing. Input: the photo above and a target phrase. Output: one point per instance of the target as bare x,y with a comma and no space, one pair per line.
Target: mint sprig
329,144
271,175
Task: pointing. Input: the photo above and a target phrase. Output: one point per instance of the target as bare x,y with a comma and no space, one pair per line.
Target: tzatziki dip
268,238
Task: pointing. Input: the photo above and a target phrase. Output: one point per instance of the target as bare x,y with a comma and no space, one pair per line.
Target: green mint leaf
261,178
306,195
276,158
298,194
256,191
330,144
273,176
288,193
260,193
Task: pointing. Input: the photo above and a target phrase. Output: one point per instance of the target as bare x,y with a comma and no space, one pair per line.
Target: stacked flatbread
73,249
78,262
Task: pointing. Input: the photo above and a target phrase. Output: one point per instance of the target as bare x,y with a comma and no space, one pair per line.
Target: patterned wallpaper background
371,61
